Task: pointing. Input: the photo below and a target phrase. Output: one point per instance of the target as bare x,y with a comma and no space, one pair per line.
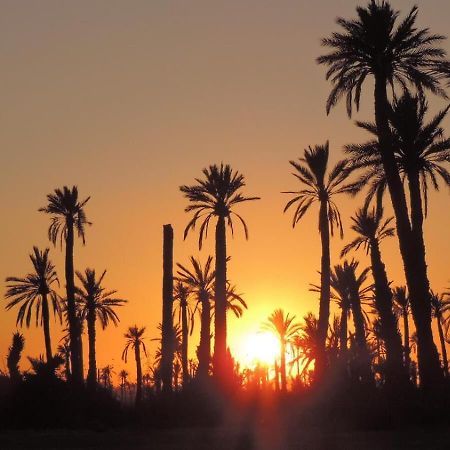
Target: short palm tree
67,215
439,307
135,340
96,303
64,353
397,54
200,281
371,230
13,357
216,196
317,186
401,300
284,327
34,292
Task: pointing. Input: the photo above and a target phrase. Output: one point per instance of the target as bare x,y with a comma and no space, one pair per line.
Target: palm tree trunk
92,372
443,349
395,370
283,365
406,340
184,343
167,344
77,372
343,335
324,305
220,323
205,338
137,355
46,322
412,255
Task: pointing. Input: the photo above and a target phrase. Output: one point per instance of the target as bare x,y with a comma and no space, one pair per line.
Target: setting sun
261,347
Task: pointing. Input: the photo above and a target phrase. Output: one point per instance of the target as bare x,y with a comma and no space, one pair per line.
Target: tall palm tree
311,171
96,303
185,317
135,340
375,45
200,281
13,357
440,306
215,196
68,215
401,301
35,292
371,230
285,328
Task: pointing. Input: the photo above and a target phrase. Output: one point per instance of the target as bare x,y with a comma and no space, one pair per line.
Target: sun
260,347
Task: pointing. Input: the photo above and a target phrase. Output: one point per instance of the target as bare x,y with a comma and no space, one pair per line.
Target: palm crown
134,338
65,207
283,325
30,290
375,44
215,195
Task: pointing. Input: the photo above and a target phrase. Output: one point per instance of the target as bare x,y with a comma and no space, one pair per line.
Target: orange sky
128,100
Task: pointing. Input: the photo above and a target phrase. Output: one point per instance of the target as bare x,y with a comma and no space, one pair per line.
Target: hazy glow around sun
260,347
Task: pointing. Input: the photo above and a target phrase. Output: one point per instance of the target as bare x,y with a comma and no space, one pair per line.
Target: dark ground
225,439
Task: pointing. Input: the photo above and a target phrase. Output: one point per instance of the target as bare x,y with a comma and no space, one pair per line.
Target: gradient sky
130,99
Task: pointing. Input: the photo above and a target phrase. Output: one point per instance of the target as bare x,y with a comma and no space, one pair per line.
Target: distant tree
34,292
135,340
67,216
284,327
96,303
13,357
123,376
395,54
440,306
215,196
311,171
106,376
64,352
401,300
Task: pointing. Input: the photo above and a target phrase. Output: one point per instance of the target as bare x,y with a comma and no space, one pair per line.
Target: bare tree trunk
204,353
184,343
46,321
92,372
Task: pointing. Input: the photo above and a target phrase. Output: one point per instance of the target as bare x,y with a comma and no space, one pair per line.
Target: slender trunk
413,255
395,370
204,353
324,304
168,339
343,334
406,340
77,373
220,323
184,344
283,365
92,372
46,321
444,350
137,354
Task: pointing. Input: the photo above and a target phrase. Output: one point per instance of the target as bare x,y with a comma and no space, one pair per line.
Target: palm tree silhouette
215,196
440,306
34,292
96,303
401,300
135,340
284,327
235,302
371,230
200,281
67,216
64,352
373,45
123,375
186,317
311,171
13,357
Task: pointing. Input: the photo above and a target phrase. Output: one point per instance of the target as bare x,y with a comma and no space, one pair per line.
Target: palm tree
96,303
200,281
135,340
440,306
215,196
235,302
106,376
346,272
67,216
123,375
311,171
285,328
34,292
374,45
186,317
371,230
401,300
64,352
13,357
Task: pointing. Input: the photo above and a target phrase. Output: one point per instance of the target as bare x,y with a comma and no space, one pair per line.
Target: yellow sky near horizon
129,100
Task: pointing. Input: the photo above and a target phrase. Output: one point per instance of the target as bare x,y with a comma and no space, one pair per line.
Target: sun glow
260,348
